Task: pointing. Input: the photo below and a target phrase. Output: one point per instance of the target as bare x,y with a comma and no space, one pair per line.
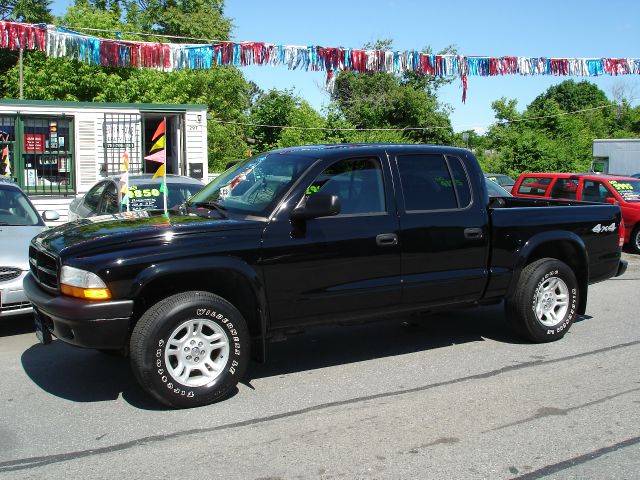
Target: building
616,156
56,150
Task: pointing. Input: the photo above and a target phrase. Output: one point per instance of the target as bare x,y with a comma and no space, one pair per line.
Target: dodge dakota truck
312,235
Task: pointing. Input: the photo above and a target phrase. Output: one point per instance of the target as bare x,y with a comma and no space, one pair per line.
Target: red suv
613,189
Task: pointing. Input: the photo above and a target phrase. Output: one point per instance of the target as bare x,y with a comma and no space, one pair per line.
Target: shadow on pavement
18,325
83,375
334,345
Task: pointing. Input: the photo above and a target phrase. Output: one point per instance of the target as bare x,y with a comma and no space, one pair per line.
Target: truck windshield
254,186
629,190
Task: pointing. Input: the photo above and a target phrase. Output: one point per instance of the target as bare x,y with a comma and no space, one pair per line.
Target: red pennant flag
159,130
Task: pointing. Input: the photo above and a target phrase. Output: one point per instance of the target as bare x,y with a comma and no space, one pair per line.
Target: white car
144,194
19,223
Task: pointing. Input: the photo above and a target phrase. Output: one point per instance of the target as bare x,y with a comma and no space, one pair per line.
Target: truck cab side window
426,183
357,182
565,188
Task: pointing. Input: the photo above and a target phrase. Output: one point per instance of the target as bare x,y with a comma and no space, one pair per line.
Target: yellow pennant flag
159,172
158,145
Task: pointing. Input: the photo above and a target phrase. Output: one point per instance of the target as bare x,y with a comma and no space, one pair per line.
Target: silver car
19,223
144,194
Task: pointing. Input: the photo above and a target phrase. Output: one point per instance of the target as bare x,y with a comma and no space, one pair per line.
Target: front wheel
190,349
545,302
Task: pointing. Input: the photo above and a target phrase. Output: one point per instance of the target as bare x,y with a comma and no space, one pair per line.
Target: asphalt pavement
452,395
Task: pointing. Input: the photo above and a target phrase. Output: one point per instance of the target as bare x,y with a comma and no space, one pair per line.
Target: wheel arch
561,245
228,277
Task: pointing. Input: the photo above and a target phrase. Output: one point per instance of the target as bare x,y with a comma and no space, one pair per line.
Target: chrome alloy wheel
196,352
552,301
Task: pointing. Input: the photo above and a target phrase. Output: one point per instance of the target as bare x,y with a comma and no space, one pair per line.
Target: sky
541,28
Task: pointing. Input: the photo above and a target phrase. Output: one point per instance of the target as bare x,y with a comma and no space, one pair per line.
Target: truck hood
108,231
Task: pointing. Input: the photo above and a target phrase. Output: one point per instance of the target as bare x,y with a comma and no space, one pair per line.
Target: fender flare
547,238
193,265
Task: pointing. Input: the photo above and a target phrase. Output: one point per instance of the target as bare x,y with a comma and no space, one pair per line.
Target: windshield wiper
210,205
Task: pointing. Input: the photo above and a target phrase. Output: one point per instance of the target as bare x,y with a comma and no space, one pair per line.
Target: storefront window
7,141
46,161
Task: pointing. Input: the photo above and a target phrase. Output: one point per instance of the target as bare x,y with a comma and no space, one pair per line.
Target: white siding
86,171
196,140
51,202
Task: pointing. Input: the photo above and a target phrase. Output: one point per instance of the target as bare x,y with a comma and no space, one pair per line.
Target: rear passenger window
534,186
426,183
461,181
565,188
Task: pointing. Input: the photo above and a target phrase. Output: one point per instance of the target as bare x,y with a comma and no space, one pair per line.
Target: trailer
616,156
56,150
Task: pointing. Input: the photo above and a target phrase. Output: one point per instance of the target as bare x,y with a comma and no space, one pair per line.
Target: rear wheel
544,304
190,349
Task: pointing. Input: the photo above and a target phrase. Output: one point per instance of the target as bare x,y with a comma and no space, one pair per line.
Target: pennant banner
61,42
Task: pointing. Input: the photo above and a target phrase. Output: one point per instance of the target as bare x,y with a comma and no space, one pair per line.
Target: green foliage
284,108
555,133
29,11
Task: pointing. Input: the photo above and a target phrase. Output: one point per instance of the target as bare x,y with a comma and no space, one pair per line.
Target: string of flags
60,42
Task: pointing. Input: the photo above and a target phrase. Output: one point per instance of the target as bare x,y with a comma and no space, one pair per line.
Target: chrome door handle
387,239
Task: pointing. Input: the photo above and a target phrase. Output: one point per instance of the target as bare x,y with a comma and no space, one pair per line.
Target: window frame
455,192
364,214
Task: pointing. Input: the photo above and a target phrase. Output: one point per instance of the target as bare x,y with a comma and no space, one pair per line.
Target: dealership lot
451,395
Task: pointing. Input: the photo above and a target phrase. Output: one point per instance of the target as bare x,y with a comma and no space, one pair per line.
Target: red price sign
34,142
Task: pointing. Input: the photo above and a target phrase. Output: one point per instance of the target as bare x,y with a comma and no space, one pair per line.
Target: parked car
504,181
636,175
144,194
19,223
495,190
589,187
303,236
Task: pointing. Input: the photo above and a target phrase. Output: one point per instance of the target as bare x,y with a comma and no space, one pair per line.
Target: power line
428,127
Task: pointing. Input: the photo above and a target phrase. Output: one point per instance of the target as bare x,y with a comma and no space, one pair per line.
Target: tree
283,108
384,100
556,131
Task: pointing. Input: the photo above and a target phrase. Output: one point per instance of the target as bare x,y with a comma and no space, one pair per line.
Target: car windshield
629,190
502,180
496,190
254,186
148,196
15,209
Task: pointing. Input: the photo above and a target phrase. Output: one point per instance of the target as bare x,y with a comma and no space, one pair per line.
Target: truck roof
326,150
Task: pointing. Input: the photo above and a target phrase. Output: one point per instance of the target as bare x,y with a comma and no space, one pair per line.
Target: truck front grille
44,268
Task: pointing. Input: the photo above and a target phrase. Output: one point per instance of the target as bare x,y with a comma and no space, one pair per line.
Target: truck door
443,230
331,268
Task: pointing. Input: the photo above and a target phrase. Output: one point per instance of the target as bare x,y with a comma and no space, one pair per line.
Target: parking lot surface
452,395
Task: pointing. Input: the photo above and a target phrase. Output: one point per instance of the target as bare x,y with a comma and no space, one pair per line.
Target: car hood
109,231
14,245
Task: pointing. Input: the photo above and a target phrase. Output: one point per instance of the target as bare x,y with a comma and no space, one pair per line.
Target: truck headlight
82,284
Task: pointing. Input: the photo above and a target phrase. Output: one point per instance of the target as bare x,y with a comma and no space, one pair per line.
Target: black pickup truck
312,235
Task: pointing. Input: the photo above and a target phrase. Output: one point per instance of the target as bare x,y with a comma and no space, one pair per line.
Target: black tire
634,241
537,280
156,365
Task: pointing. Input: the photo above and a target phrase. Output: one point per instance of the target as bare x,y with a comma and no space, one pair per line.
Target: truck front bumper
104,325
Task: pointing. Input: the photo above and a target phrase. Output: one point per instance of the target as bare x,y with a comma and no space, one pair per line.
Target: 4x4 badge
600,229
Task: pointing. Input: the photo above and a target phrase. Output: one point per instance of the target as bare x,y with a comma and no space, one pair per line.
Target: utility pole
21,75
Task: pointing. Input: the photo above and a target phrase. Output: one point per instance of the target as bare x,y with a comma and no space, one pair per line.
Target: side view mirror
50,215
611,201
317,205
